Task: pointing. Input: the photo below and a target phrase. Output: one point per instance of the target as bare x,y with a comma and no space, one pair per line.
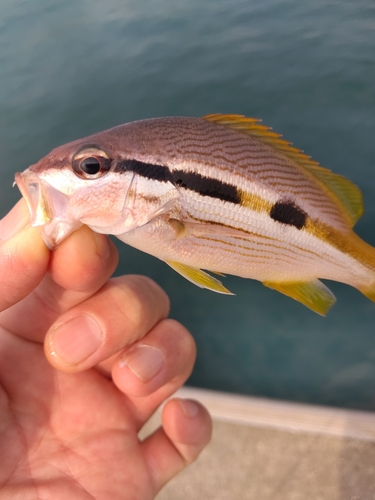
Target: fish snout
48,208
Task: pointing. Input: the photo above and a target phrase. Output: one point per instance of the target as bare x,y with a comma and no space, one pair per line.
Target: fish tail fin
365,255
368,292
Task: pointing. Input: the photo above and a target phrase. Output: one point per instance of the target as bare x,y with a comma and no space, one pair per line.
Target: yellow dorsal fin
346,193
199,277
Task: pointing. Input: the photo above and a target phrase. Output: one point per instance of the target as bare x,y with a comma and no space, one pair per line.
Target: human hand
68,427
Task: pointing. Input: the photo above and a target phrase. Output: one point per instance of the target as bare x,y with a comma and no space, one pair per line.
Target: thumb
24,257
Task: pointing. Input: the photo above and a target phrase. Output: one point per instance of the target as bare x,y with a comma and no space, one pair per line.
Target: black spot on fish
148,170
206,186
288,213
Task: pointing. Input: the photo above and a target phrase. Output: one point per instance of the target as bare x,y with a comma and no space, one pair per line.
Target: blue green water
70,68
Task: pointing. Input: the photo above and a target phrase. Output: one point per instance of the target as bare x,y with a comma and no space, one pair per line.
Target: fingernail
189,407
144,361
76,340
14,221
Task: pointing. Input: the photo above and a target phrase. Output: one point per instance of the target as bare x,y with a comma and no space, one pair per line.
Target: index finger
24,258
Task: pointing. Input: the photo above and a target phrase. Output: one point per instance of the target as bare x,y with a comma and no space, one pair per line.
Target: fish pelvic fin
199,277
346,194
313,294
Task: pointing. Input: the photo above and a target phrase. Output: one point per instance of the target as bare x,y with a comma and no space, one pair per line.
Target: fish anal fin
313,294
199,277
346,193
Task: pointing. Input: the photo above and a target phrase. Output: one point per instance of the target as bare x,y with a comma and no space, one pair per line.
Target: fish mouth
48,208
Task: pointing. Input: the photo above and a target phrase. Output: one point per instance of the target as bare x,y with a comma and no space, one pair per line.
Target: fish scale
221,193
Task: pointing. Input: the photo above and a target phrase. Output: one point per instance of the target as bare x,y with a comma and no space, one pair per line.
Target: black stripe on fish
148,170
206,186
288,213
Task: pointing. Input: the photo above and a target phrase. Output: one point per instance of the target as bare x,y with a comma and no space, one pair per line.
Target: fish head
81,183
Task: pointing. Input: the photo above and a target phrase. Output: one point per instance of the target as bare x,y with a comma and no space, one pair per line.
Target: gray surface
250,463
276,450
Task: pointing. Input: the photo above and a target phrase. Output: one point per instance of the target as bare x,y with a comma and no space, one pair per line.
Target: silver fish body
221,193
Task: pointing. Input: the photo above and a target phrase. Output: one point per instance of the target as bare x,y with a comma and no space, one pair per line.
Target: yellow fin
219,274
346,193
368,292
199,277
313,294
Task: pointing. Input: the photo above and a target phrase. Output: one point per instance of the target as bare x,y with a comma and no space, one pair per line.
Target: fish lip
48,208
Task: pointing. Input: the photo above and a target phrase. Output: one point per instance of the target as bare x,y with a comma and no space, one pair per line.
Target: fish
220,194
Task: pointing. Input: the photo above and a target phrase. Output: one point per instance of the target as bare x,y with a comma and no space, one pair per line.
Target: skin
71,403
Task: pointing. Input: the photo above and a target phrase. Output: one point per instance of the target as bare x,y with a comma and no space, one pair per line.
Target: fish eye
91,164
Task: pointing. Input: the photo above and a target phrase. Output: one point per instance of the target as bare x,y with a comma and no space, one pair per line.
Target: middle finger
120,313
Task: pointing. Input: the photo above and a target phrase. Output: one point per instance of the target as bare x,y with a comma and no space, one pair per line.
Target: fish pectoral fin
199,277
313,294
198,229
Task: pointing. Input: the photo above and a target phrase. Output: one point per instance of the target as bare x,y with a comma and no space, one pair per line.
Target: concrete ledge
273,450
262,412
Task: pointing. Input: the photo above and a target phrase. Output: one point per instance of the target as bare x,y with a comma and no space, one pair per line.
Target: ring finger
153,368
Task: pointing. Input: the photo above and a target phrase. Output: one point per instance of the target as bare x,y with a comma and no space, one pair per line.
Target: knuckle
180,345
148,288
144,295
